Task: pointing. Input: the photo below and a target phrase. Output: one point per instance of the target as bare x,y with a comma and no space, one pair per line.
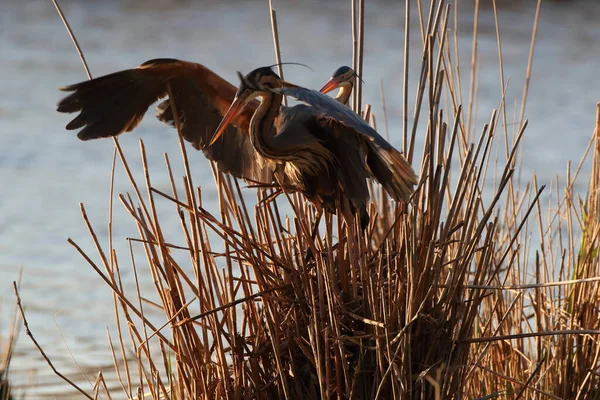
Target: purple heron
112,104
319,144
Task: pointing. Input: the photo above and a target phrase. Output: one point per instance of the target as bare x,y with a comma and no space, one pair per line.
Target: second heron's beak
234,110
332,84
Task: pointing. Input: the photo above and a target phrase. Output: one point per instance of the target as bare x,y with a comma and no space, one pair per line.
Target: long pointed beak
234,110
332,84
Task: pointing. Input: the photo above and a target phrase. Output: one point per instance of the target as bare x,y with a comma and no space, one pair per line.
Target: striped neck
345,91
261,125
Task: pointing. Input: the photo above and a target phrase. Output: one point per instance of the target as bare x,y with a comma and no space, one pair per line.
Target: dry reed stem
273,17
35,342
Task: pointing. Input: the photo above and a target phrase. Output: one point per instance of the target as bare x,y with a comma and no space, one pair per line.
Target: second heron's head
254,84
343,78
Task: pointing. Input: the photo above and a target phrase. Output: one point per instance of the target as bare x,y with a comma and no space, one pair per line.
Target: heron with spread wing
112,104
320,140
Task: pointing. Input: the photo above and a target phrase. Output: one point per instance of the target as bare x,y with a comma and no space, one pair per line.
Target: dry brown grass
7,347
470,291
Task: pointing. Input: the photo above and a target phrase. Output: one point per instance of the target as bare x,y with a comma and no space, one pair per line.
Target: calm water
46,172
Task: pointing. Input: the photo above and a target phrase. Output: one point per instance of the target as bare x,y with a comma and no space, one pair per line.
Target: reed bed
472,290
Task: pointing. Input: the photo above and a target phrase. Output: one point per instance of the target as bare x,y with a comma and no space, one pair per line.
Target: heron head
343,76
256,83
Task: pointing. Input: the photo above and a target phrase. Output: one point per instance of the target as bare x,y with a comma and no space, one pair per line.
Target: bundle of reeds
444,297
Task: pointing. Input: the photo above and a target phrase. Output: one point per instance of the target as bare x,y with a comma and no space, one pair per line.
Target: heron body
322,140
321,159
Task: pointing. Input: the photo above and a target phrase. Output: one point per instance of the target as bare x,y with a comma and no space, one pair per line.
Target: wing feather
387,165
116,103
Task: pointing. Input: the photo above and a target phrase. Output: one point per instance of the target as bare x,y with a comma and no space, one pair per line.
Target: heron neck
344,94
261,124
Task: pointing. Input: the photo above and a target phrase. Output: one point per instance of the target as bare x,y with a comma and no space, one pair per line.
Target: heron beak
234,110
332,84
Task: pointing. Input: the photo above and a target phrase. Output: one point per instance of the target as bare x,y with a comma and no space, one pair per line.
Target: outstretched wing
116,103
388,165
335,110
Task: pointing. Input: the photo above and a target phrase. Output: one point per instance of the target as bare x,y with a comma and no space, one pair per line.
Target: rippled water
46,172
